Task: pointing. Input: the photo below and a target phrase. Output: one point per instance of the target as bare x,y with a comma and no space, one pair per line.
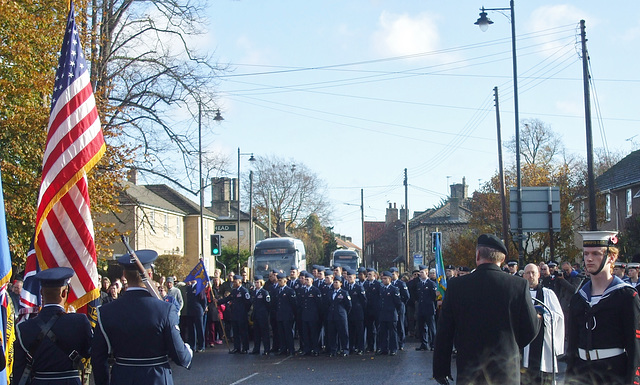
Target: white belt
599,354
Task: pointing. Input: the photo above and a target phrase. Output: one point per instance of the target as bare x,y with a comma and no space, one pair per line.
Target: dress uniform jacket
338,304
241,302
261,301
140,332
72,333
358,301
310,308
612,323
489,316
390,304
372,289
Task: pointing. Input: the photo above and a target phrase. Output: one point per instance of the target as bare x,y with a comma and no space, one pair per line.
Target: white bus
346,258
278,254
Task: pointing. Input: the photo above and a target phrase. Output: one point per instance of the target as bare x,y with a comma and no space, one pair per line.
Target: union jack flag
64,228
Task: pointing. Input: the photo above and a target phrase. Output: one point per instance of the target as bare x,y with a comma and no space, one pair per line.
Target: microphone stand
553,348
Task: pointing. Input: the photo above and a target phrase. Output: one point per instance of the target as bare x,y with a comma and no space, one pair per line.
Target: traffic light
435,236
216,247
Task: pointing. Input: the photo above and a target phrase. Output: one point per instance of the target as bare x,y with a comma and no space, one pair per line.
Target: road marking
244,379
279,362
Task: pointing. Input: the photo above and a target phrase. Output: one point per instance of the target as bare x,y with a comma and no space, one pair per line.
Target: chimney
132,175
392,214
220,196
236,186
403,214
454,207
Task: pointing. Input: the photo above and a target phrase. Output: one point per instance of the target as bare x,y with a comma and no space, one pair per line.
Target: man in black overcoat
489,316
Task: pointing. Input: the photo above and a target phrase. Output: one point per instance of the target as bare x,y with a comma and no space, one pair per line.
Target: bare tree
150,81
538,143
290,191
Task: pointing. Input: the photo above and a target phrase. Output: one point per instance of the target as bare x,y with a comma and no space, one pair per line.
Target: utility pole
503,198
364,243
406,220
593,219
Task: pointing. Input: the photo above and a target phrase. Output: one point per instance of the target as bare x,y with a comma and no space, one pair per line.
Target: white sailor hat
602,238
633,265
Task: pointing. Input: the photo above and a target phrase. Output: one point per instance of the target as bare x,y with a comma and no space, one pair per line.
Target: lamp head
483,21
218,117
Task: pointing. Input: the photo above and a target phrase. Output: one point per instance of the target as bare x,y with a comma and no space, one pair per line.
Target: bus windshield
266,263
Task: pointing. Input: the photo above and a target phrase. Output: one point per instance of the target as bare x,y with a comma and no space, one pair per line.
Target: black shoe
244,352
331,355
432,349
315,354
255,352
401,348
342,354
380,353
360,352
234,351
421,347
392,353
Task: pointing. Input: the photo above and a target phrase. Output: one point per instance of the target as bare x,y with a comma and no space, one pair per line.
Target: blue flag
6,316
440,273
199,274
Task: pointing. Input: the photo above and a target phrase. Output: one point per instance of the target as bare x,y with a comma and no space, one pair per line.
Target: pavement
216,366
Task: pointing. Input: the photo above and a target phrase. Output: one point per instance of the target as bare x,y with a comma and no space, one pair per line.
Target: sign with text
225,228
538,203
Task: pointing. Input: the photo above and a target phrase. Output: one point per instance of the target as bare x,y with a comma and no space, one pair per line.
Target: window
166,224
607,208
629,202
178,227
152,221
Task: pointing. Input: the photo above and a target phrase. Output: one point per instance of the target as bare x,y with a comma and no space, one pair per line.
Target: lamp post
251,159
217,118
483,22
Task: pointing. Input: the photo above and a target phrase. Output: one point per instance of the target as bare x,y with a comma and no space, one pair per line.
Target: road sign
535,209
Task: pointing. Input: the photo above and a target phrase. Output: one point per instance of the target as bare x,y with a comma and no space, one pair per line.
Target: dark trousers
241,334
261,334
274,330
388,336
426,325
285,335
337,336
310,337
356,335
371,326
197,332
401,326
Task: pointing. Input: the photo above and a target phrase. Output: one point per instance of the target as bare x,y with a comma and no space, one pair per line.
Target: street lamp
483,22
217,118
251,159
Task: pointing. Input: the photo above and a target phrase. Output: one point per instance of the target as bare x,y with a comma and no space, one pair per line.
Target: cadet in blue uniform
240,301
56,356
285,313
356,315
603,344
426,291
310,305
404,298
261,304
140,331
338,307
196,304
390,303
371,324
272,287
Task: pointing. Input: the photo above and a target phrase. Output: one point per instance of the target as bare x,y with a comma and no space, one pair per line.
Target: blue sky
360,90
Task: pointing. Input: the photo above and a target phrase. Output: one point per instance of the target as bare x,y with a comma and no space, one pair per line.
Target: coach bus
346,258
278,254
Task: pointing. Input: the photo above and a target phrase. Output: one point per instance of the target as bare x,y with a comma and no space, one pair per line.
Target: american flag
64,228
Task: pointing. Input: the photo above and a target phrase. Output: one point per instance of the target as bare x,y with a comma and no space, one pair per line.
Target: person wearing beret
261,301
197,303
338,307
390,305
404,297
371,320
140,332
54,358
272,287
490,317
356,315
603,345
240,301
285,315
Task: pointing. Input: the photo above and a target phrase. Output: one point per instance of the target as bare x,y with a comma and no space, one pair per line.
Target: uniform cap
422,267
55,276
490,240
274,271
258,278
170,279
450,267
599,238
512,262
338,278
336,265
328,271
463,268
235,277
394,270
552,264
293,267
362,269
146,258
370,269
633,265
317,267
620,264
308,275
387,274
351,272
281,275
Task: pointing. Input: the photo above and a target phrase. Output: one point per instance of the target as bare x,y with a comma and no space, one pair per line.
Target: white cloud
406,35
570,107
550,17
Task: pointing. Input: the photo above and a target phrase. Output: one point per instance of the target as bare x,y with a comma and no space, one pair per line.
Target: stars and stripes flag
30,293
64,228
440,273
6,310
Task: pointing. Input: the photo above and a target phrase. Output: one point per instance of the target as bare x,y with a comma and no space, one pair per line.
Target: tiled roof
622,174
442,215
346,244
163,196
140,195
